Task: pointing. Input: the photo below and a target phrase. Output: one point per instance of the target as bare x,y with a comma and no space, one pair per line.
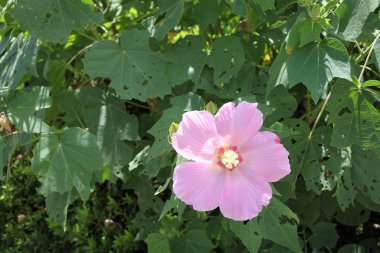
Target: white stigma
230,159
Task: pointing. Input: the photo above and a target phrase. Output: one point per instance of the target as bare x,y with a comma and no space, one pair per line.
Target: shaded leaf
160,131
189,57
171,10
354,117
194,241
53,20
226,57
206,13
67,161
265,4
249,234
324,235
157,243
2,145
173,203
345,192
279,224
365,174
56,206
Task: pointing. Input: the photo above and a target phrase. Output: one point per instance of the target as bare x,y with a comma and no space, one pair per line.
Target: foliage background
90,88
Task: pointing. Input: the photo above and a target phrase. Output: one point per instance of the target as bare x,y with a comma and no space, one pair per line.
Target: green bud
173,129
211,107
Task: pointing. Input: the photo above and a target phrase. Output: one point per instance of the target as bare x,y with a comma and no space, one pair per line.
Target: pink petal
244,195
199,184
240,122
196,135
266,156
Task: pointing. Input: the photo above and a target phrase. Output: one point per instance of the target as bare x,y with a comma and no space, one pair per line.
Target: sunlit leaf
23,108
18,62
134,69
106,118
316,64
352,15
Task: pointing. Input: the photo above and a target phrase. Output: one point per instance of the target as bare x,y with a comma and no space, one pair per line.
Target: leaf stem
319,115
366,60
78,53
137,105
85,35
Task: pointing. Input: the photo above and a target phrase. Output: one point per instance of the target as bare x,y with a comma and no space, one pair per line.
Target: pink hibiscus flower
233,161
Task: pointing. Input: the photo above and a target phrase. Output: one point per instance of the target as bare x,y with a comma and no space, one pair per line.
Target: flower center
228,158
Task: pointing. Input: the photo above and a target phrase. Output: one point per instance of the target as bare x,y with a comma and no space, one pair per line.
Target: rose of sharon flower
233,162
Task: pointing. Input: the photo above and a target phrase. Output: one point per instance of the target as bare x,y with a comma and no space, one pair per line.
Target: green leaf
160,131
23,108
206,13
226,57
353,216
53,20
249,234
138,159
162,188
309,32
106,118
279,224
194,241
283,103
353,15
316,64
281,130
11,144
66,162
345,192
188,59
278,72
56,206
306,205
240,8
265,4
18,62
324,235
365,174
376,54
173,203
157,243
2,145
352,248
70,105
188,102
307,157
135,70
293,37
171,10
354,117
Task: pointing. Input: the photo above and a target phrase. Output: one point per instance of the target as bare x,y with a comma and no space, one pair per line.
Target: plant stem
319,115
366,60
137,105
